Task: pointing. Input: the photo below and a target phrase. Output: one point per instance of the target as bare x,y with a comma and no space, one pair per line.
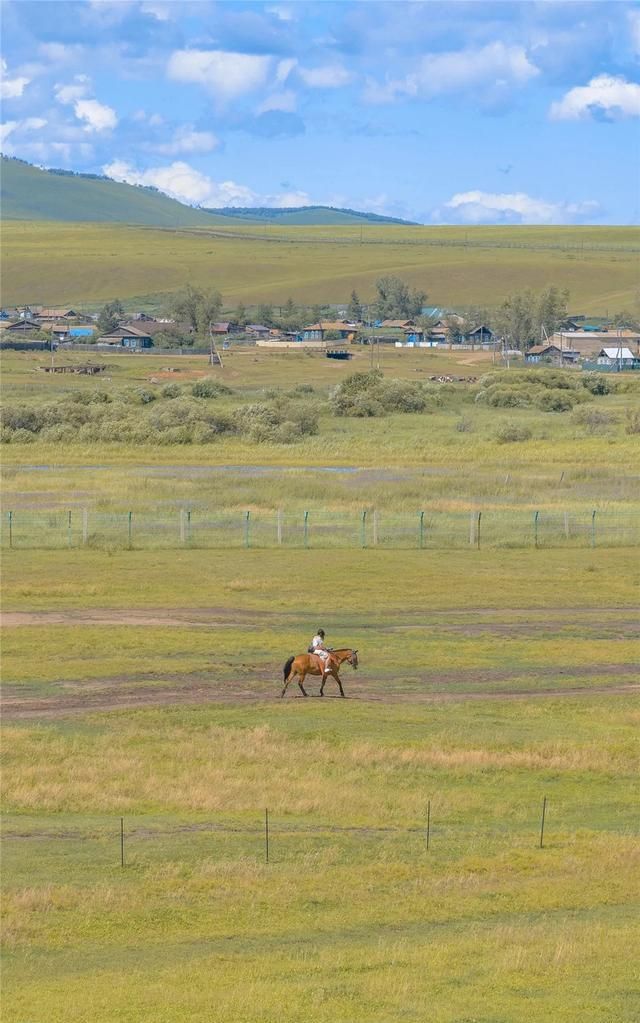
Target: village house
318,331
618,358
396,324
257,330
70,332
544,353
48,315
19,326
589,342
130,338
227,327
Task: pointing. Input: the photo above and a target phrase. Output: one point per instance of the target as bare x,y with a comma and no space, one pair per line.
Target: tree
173,337
355,311
241,316
110,316
524,316
264,315
290,316
197,308
457,328
625,319
396,299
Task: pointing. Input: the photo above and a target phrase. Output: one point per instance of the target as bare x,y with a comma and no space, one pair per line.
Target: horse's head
353,659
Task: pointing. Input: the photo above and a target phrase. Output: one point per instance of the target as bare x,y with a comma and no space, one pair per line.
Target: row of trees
522,319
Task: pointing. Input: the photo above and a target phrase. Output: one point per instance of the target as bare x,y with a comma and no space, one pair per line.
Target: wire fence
269,837
316,528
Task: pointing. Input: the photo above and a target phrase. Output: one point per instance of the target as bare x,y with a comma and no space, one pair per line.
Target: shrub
21,436
464,425
209,388
138,396
369,394
595,420
596,383
511,433
556,400
633,422
60,433
21,417
171,391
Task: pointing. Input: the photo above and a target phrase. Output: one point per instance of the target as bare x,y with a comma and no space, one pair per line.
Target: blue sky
465,112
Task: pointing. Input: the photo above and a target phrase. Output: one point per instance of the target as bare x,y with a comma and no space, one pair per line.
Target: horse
311,664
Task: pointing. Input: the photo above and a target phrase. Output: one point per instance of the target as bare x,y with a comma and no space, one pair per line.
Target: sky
461,112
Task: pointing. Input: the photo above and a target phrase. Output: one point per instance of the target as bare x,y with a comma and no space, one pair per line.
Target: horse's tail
287,668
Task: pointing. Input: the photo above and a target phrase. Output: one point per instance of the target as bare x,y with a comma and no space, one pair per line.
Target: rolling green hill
327,215
30,193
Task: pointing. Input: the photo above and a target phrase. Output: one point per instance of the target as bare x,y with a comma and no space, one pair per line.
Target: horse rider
318,647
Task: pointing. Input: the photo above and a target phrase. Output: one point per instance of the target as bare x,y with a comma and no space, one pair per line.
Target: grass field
151,693
456,266
144,684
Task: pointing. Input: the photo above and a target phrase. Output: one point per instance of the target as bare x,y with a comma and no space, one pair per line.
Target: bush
557,401
138,396
369,394
21,436
171,391
595,420
512,433
209,388
633,422
596,383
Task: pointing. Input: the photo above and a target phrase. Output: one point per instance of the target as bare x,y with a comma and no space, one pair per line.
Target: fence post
536,516
69,534
363,529
10,529
188,525
593,528
421,530
247,519
266,836
130,527
85,526
279,526
306,529
478,530
428,823
544,811
375,529
122,841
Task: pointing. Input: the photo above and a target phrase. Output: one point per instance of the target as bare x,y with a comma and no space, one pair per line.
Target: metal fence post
10,529
69,534
130,527
536,516
421,530
122,841
593,528
306,529
478,530
85,526
247,519
188,525
544,812
363,529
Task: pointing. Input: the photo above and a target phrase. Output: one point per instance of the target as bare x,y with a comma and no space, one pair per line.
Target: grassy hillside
308,215
29,193
90,263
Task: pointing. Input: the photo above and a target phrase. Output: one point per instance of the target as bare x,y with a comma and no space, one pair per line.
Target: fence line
317,528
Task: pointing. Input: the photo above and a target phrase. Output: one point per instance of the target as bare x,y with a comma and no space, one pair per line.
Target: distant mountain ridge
33,193
306,215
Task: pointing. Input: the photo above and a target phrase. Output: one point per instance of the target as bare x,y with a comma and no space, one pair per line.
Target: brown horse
311,664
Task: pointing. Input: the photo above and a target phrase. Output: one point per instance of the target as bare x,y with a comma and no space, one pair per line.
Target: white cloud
284,100
478,207
77,89
187,140
281,12
97,116
495,65
605,96
222,72
7,128
11,88
185,183
330,76
284,69
160,11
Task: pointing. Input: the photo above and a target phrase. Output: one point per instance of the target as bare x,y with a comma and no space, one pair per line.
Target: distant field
90,263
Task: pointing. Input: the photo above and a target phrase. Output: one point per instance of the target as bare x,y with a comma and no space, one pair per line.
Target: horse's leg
291,675
300,681
337,678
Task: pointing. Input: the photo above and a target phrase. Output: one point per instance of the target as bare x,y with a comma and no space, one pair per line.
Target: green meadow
406,876
456,266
